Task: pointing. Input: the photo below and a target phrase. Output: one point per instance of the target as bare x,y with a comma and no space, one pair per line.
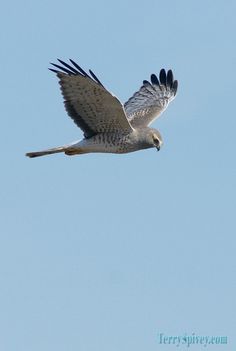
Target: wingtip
53,70
154,79
175,86
80,70
170,78
30,154
162,76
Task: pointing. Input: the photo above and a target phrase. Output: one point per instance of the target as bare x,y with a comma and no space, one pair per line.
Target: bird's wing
151,100
88,103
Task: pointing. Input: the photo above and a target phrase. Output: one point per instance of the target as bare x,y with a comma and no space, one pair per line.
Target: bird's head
148,138
156,139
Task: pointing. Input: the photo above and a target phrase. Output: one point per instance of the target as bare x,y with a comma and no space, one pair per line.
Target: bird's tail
54,150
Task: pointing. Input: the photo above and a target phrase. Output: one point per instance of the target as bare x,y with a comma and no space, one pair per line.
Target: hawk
107,124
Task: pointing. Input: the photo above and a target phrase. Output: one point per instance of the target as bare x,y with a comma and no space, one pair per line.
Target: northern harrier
108,125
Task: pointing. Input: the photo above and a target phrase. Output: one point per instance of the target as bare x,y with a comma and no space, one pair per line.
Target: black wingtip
95,78
72,69
53,70
68,71
154,79
162,76
170,78
80,70
175,86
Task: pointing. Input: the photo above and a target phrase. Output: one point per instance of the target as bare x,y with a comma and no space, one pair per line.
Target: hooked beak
158,148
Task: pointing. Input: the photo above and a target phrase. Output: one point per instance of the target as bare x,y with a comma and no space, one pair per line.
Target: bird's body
109,126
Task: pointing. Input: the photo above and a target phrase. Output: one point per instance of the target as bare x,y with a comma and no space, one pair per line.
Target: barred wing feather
88,103
151,100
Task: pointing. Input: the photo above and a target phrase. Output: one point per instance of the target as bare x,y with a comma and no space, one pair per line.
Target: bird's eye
156,141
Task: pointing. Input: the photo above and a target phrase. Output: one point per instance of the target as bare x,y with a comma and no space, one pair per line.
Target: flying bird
108,125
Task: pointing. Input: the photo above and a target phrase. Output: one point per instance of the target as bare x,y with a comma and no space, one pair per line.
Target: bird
108,125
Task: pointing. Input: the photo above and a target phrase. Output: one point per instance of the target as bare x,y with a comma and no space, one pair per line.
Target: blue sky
103,252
